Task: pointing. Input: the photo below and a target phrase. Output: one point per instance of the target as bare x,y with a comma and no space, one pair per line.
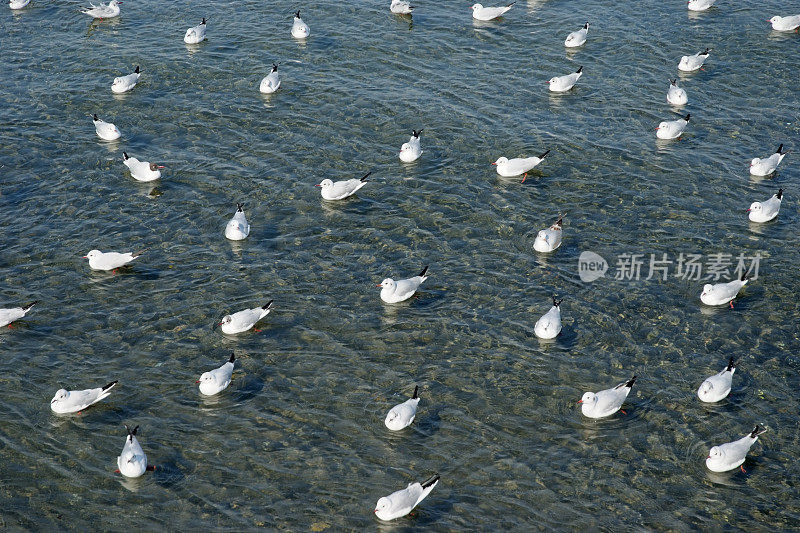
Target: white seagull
718,386
110,260
577,38
340,190
401,7
676,95
123,84
300,29
767,210
244,320
411,150
547,240
401,415
196,34
606,402
549,325
398,291
132,462
695,62
73,401
560,84
768,165
488,13
18,4
7,316
788,23
105,130
508,168
142,170
217,380
238,228
101,11
672,129
722,293
700,5
401,502
732,454
271,82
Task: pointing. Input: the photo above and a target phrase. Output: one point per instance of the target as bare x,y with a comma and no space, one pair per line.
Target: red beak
379,285
494,163
85,257
198,381
161,166
318,185
580,401
748,209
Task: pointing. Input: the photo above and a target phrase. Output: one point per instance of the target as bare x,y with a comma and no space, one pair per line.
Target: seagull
401,7
700,5
606,402
672,129
123,84
549,239
411,150
300,29
549,325
577,38
244,320
695,62
132,462
393,291
401,502
101,11
788,23
105,130
718,386
72,401
561,84
18,4
7,316
766,211
722,293
676,95
401,415
340,190
508,168
238,228
271,82
142,170
488,13
196,34
110,260
768,165
217,380
732,454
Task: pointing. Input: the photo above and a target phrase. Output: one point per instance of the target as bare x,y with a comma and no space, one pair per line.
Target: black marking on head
580,69
364,178
232,359
94,117
28,307
424,270
415,395
686,118
780,194
125,156
239,207
269,304
110,385
430,481
731,365
544,154
136,70
630,382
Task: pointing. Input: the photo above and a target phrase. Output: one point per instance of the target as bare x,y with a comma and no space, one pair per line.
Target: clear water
297,442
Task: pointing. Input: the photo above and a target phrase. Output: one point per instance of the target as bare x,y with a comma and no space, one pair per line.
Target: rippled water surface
297,441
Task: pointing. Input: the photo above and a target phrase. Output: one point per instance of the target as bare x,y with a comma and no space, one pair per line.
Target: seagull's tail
424,271
140,252
136,70
544,154
366,176
630,382
131,434
780,194
110,386
687,117
731,365
778,151
28,307
580,69
511,4
560,220
268,306
232,359
758,430
416,133
705,52
744,279
239,207
416,390
556,303
430,481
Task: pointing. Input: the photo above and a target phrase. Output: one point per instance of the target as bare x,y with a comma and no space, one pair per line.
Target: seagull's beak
747,210
161,166
378,285
53,400
85,256
318,185
198,381
580,401
494,163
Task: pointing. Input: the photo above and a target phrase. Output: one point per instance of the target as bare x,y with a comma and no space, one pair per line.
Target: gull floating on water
577,38
560,84
398,291
141,170
401,502
788,23
718,386
700,5
7,316
768,165
340,190
77,400
217,380
244,320
732,454
101,11
271,82
547,240
672,129
676,95
300,29
238,228
549,325
411,150
123,84
722,293
196,34
767,210
401,7
110,260
132,462
401,415
488,13
695,62
606,402
105,130
18,4
508,168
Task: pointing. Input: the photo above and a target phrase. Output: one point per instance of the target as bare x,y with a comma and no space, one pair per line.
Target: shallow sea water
297,441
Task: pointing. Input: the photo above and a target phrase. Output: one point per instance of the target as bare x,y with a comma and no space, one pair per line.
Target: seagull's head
383,504
92,254
714,453
61,395
553,80
227,319
405,148
542,236
755,161
707,289
392,416
154,167
388,283
500,161
476,6
325,184
205,378
706,387
755,207
774,19
588,397
662,126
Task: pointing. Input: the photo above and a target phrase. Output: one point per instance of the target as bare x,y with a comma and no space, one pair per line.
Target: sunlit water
297,442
